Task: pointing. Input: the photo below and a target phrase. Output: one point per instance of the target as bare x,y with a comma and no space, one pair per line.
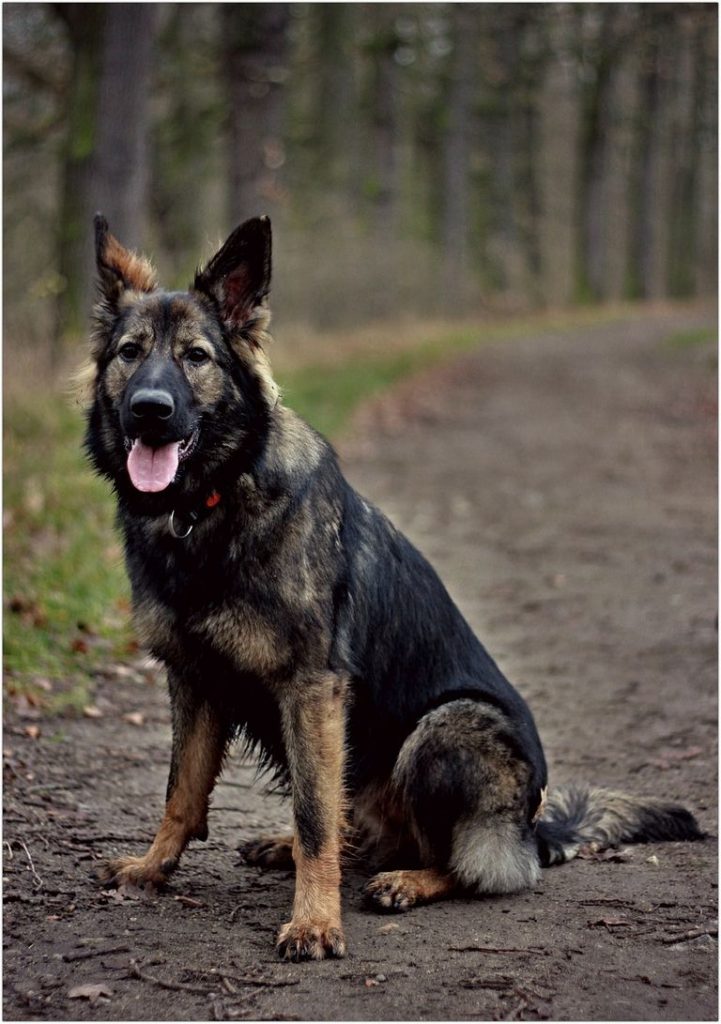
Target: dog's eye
197,356
129,351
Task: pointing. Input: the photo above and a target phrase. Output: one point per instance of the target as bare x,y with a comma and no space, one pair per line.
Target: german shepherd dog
289,611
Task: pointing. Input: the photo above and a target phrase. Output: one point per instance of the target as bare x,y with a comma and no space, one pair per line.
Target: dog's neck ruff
181,526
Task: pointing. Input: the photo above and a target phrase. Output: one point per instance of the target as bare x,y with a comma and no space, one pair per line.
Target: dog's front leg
313,727
199,744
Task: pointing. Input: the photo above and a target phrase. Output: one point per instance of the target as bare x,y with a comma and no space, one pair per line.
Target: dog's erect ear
238,276
119,269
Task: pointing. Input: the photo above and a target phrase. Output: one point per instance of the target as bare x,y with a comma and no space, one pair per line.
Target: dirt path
564,485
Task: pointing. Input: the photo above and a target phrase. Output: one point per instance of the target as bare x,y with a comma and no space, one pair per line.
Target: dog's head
180,381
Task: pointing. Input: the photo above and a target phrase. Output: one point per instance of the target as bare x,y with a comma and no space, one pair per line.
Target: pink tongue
152,469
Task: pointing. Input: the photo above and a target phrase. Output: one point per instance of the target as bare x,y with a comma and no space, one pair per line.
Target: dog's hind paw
135,873
308,941
400,890
268,852
386,891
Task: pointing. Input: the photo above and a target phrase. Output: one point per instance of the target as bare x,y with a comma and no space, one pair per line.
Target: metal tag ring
171,527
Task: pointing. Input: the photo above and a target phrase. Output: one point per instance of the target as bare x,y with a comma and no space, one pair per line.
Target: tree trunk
106,157
84,25
557,163
685,131
656,172
456,192
707,188
607,157
384,116
122,156
255,44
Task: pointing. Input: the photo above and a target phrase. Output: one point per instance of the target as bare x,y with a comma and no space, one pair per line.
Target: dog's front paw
268,852
309,941
136,872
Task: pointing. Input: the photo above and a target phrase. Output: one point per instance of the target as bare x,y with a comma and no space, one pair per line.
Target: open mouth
153,468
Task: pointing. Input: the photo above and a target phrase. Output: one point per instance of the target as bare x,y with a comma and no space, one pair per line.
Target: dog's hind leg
465,793
199,743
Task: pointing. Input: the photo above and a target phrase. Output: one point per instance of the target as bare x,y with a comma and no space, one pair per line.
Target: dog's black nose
152,403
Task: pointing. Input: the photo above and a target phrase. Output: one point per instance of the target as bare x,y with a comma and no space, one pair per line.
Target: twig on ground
694,933
174,986
86,954
10,849
218,1008
496,949
241,979
188,901
37,880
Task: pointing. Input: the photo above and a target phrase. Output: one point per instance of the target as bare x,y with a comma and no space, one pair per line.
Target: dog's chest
210,619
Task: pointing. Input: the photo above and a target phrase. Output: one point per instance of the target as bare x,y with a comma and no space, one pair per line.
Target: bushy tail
584,816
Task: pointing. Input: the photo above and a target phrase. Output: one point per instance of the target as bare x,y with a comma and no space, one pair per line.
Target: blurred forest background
430,169
435,158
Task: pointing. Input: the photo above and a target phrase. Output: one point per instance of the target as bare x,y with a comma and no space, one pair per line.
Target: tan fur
401,890
155,627
247,638
81,386
252,346
186,811
136,271
313,720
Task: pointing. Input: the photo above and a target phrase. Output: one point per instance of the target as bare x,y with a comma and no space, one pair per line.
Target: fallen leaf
93,993
386,929
91,711
24,705
371,983
33,731
134,718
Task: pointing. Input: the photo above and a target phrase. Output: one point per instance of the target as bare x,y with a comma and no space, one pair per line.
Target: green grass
66,596
326,396
691,337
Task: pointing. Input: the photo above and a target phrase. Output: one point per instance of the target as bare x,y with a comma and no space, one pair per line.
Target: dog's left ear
119,269
238,276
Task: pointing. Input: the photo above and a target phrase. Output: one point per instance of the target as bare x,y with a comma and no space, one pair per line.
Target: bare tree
456,196
557,166
84,26
105,163
255,55
121,167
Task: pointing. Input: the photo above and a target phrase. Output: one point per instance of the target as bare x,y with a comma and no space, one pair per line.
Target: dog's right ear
119,270
237,278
